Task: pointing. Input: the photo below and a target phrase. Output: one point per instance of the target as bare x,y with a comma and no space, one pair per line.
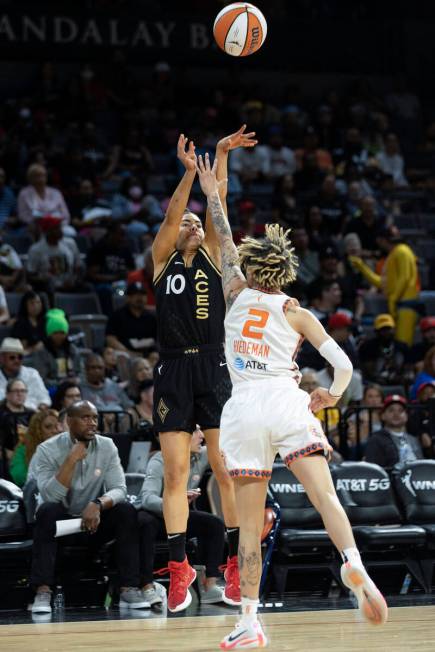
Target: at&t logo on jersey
239,364
249,364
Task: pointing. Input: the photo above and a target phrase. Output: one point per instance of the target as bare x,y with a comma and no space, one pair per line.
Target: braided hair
270,259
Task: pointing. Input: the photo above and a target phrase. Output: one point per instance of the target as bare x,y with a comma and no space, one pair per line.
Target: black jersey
190,304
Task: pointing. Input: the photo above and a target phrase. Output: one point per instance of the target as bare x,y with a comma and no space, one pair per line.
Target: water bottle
59,599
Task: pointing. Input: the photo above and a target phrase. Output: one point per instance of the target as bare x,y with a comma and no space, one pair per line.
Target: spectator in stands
364,422
142,410
308,268
102,392
4,310
340,329
420,419
391,161
109,261
354,391
39,200
142,210
324,297
132,328
144,276
382,356
140,370
284,202
11,367
419,350
30,324
366,224
393,444
251,164
308,180
111,364
12,276
332,206
317,231
207,528
427,374
8,203
281,159
322,157
42,426
13,418
59,358
79,474
248,225
54,262
353,152
67,393
399,281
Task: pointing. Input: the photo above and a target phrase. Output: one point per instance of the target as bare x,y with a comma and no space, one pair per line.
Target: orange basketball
240,29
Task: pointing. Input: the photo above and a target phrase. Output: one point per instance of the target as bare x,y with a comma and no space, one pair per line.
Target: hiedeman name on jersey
251,348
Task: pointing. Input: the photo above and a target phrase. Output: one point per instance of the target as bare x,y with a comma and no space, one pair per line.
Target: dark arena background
94,95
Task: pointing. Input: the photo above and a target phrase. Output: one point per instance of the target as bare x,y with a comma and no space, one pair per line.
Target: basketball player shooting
191,381
268,413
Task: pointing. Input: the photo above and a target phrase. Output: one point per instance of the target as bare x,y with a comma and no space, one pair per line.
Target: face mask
135,192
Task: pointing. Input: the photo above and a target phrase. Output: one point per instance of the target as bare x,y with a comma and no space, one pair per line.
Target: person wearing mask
207,528
393,444
59,358
11,367
79,474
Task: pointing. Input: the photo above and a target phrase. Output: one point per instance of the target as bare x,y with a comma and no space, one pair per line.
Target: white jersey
259,341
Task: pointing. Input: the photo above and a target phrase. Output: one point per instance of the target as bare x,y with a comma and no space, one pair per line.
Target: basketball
240,29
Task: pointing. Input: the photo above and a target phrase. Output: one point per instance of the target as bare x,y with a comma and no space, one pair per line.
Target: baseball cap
135,288
429,383
339,320
384,321
394,398
49,222
426,323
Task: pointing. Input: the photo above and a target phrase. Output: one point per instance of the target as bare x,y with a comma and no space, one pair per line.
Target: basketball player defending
191,381
268,413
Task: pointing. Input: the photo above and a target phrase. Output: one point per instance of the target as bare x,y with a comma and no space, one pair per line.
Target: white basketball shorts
266,417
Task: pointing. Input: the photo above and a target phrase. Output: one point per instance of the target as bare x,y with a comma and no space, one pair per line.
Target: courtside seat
415,486
366,494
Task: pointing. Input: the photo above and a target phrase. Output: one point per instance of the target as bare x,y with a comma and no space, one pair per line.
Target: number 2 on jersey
254,327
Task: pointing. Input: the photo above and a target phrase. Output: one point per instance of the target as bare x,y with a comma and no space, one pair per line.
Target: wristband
334,395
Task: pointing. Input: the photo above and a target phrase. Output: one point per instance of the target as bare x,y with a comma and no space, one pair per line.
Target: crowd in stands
87,166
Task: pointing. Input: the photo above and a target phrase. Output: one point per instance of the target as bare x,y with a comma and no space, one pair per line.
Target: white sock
249,610
352,555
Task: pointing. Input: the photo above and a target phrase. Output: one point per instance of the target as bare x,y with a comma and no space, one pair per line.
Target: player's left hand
238,139
207,175
321,398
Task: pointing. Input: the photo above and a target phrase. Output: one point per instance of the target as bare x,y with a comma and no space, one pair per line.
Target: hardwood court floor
409,628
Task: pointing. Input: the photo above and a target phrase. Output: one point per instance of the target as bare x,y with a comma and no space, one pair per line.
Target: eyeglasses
13,356
17,391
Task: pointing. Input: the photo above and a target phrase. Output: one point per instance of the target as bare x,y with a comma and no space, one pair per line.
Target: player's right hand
187,158
321,398
78,451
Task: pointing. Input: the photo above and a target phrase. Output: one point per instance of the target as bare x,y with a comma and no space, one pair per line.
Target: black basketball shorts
191,386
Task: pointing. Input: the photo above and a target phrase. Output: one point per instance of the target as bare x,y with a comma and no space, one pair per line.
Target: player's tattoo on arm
230,258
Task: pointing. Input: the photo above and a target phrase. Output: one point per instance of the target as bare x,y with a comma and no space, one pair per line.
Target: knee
176,478
220,471
126,514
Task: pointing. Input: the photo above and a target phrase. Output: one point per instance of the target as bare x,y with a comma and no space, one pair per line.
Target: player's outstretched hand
187,157
321,398
238,139
207,175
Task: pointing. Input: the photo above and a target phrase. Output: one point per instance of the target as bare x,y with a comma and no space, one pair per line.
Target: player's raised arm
305,323
233,281
224,146
166,238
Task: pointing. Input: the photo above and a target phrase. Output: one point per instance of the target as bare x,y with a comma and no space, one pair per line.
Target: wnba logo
239,364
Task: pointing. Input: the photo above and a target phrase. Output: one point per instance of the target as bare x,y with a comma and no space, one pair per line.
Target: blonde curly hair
270,259
35,435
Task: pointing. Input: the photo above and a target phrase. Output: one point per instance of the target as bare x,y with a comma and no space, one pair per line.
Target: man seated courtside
79,474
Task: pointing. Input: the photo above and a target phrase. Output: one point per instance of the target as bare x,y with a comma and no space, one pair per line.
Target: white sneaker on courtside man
371,602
